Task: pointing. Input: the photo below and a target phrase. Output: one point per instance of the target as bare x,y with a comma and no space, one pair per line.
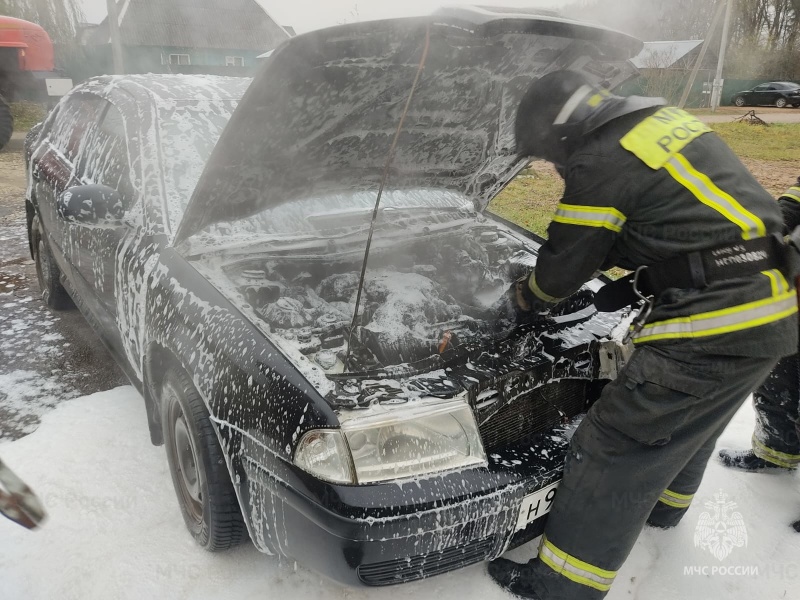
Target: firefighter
651,189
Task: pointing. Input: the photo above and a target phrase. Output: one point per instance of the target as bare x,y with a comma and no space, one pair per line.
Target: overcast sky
305,15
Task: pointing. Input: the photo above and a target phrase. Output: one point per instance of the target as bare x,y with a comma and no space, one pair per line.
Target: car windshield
341,214
188,130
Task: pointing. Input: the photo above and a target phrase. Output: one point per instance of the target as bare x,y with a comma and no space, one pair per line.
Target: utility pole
702,55
116,42
716,92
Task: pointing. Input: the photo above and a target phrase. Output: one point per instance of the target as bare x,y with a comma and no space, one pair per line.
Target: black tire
739,101
47,272
781,102
6,123
199,471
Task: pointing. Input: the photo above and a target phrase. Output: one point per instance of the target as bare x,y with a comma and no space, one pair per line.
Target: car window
49,122
72,124
188,130
104,159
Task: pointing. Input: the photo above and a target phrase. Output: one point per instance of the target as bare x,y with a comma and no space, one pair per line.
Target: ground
45,357
115,530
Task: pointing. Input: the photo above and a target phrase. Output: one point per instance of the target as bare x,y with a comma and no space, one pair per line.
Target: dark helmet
558,109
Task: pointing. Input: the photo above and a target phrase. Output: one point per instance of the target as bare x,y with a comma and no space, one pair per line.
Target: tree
649,19
765,34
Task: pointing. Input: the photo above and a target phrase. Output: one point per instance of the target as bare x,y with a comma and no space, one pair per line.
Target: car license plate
536,505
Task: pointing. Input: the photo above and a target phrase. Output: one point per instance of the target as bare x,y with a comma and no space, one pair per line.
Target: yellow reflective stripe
792,193
537,291
590,216
773,282
777,281
781,459
707,192
726,320
574,569
675,500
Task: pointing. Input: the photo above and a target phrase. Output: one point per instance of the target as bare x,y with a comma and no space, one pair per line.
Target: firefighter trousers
647,439
777,402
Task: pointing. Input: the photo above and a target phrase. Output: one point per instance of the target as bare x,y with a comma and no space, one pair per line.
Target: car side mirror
92,204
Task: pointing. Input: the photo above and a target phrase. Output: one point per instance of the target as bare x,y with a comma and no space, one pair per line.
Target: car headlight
394,444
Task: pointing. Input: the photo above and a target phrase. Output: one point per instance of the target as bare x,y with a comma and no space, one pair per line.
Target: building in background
185,36
665,67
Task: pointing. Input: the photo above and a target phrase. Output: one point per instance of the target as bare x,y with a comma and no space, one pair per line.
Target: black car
774,93
378,418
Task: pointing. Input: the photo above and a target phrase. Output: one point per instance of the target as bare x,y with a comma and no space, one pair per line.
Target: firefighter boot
516,578
747,460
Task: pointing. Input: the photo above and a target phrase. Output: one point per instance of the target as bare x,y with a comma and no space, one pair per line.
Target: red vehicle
27,68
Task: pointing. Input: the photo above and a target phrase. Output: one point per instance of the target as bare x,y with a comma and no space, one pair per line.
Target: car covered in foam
379,416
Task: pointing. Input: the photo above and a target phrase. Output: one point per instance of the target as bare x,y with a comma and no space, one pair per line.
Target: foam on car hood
321,115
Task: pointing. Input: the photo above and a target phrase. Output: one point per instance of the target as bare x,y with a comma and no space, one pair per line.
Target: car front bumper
392,533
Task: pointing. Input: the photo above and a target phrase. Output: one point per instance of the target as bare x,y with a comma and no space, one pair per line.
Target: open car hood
321,115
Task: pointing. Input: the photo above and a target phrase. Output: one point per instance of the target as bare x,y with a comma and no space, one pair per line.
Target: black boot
747,460
796,526
514,577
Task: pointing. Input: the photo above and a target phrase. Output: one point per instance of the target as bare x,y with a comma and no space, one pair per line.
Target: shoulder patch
663,134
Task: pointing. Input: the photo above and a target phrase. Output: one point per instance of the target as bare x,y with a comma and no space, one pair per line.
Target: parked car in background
774,93
426,433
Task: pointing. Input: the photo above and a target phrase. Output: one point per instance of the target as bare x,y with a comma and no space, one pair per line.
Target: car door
761,95
54,169
105,160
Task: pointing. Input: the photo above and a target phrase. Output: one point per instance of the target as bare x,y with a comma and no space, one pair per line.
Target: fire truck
27,69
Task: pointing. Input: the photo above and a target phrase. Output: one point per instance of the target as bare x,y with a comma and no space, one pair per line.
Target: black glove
524,299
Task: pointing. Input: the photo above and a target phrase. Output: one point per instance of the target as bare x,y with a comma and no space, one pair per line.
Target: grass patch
530,199
778,142
27,114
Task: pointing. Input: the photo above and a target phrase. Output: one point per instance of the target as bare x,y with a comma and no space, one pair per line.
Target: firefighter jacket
790,206
655,184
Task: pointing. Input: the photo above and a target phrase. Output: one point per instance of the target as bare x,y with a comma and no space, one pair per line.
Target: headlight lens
324,453
395,445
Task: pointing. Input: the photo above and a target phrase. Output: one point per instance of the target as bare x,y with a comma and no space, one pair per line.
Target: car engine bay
425,296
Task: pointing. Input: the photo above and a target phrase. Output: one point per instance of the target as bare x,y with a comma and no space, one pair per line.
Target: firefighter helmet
558,109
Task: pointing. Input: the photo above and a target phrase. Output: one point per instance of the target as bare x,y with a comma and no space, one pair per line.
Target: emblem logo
720,529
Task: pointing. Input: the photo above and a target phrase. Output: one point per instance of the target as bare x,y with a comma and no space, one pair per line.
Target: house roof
662,55
224,24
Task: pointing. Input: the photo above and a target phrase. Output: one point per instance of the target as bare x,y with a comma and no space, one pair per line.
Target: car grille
402,570
531,413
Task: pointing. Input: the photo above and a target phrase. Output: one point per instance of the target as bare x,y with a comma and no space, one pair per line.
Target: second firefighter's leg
775,439
776,401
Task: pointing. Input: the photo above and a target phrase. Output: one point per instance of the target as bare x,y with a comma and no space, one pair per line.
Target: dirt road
726,114
45,357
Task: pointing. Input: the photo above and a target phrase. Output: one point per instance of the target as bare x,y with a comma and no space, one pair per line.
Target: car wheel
780,102
47,272
739,101
199,471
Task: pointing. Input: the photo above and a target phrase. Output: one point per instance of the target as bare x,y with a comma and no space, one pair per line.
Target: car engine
421,297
